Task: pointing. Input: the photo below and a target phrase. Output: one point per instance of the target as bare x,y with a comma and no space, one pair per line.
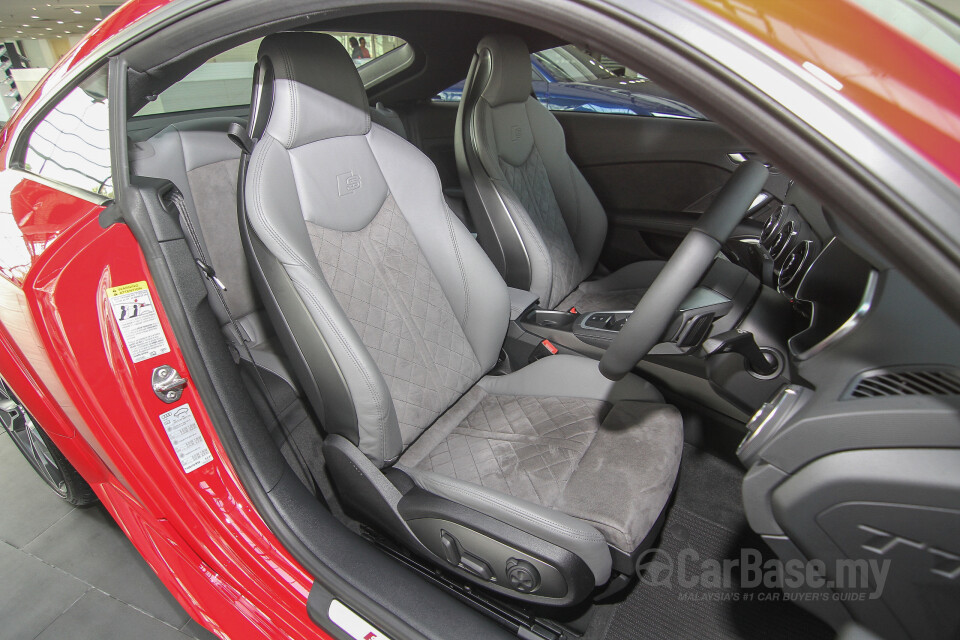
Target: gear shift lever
742,342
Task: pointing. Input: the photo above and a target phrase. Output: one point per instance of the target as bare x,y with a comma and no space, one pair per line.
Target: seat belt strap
176,197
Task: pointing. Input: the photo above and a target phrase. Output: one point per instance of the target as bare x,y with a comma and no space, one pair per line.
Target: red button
549,345
573,310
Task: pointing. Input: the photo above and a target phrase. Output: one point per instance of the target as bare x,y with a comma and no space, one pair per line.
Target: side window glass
572,79
226,80
71,144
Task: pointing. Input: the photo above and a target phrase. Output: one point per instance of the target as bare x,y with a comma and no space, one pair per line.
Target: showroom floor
71,573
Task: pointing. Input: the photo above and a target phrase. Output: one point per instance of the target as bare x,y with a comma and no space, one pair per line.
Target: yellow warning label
138,321
127,288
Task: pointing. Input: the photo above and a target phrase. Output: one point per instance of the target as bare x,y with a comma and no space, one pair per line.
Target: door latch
168,384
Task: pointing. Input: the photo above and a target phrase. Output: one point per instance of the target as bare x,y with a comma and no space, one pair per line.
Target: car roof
908,88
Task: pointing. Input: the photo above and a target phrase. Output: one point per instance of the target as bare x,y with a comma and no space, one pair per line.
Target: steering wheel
688,264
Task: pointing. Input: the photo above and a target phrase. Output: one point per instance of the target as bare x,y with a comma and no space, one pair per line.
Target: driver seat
535,214
539,484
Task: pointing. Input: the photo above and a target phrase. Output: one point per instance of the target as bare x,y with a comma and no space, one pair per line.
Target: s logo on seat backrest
515,133
348,183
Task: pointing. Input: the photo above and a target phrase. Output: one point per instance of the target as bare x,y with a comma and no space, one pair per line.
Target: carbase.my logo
851,579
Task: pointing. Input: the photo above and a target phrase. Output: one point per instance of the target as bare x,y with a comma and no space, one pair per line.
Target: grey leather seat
535,214
537,484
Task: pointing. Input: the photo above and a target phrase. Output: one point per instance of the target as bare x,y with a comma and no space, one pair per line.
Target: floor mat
706,522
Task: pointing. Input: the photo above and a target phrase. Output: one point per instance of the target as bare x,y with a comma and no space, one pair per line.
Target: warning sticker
137,317
185,436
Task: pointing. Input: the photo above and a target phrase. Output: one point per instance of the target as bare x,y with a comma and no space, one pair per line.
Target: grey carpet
707,516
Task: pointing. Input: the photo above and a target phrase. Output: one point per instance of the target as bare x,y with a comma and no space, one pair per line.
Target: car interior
481,356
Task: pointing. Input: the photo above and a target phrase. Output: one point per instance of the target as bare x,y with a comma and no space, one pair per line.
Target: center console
717,342
592,333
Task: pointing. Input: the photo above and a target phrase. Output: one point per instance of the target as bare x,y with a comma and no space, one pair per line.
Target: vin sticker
137,317
185,436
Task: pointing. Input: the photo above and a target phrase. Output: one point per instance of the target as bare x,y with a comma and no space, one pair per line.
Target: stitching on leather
531,229
607,525
463,274
559,528
576,198
259,165
294,102
356,361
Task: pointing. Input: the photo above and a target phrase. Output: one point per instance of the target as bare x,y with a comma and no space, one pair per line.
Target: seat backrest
386,306
535,214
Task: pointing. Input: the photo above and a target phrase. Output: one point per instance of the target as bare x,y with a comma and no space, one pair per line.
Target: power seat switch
458,556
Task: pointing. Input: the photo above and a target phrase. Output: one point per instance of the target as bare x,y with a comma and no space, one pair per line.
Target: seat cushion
618,291
606,453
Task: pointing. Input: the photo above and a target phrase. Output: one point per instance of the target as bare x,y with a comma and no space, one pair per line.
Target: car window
569,64
71,144
570,79
226,79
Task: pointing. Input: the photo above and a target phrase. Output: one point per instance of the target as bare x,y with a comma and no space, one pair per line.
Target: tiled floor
71,573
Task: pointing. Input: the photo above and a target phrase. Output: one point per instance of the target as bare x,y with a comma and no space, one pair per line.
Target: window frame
21,142
372,72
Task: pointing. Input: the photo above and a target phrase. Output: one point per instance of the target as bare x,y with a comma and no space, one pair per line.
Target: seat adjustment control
456,555
451,550
522,575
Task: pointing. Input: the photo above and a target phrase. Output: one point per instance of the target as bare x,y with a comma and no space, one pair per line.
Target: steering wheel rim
688,264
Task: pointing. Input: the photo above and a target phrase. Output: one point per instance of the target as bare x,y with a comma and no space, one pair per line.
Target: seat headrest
509,79
306,88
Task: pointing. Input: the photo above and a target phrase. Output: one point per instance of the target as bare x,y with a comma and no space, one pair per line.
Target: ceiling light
35,17
80,26
19,31
77,11
66,32
49,28
59,21
97,19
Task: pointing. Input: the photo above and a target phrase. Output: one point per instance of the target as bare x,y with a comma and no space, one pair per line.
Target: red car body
62,353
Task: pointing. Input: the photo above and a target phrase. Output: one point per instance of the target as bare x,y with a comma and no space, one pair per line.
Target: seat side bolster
553,526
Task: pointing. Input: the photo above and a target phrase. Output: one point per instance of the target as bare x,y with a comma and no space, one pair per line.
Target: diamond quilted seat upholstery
392,317
386,288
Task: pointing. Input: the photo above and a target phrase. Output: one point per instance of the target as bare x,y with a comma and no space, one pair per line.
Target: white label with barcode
185,436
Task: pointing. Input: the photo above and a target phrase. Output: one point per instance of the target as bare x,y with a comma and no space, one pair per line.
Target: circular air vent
793,265
782,240
767,233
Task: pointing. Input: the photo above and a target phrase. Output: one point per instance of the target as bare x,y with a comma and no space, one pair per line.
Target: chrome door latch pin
168,384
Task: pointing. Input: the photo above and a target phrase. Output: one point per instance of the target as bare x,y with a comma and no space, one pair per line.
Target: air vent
905,382
793,265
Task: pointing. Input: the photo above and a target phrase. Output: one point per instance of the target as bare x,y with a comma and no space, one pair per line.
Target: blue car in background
569,79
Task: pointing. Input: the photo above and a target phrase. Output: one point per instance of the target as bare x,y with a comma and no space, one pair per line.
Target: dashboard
829,285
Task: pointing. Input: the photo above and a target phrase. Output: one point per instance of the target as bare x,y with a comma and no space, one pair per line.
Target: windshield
569,64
